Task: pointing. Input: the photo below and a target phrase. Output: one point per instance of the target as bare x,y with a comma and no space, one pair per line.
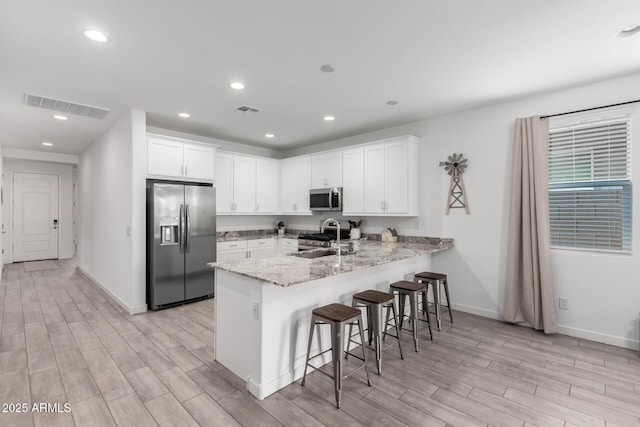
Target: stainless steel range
323,240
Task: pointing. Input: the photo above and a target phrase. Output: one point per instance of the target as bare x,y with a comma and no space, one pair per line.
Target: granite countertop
287,270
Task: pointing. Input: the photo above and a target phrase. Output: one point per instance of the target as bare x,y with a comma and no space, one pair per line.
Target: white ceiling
432,56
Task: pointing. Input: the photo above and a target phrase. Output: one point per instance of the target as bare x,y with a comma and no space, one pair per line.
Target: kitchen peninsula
263,306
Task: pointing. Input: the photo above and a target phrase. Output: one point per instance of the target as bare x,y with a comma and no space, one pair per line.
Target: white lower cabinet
261,247
242,249
288,246
231,251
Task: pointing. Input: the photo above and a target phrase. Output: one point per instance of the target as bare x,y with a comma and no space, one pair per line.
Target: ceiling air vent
65,106
247,110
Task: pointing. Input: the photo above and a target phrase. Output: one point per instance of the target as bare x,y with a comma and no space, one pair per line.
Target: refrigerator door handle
187,231
181,229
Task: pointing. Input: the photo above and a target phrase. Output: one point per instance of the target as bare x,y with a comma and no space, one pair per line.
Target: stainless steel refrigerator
181,240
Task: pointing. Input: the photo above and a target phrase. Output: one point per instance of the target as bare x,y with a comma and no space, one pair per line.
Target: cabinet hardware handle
186,173
257,207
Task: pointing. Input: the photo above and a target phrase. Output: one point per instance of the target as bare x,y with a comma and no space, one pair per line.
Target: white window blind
590,185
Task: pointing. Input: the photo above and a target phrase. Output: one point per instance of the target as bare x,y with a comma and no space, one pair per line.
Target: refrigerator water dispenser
168,234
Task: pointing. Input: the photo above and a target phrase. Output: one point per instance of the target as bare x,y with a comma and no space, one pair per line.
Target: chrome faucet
329,221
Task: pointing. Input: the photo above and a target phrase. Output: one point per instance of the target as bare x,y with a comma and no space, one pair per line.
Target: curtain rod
589,109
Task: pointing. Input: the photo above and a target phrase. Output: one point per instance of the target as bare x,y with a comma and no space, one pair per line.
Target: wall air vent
247,110
65,106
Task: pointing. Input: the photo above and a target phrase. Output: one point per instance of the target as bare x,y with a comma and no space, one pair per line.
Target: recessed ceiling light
47,144
59,117
184,115
269,135
96,36
626,32
236,85
327,68
329,118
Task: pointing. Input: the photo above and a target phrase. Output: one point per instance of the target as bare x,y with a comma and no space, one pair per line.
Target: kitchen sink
315,253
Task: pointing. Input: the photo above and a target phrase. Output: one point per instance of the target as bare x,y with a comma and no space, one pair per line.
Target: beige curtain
529,291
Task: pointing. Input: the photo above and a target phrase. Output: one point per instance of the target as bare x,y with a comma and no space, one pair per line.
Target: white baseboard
129,309
598,337
562,329
478,311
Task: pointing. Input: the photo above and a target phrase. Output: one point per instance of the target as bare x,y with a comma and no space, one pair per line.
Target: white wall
603,293
112,211
65,200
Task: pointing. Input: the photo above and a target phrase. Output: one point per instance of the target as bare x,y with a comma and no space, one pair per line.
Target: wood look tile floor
63,340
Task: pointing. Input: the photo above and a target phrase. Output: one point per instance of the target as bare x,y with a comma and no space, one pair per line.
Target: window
590,185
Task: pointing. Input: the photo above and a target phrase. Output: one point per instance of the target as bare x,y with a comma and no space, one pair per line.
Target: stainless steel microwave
325,199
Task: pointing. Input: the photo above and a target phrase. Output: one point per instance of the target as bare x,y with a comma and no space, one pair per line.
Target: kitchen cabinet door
267,186
231,255
326,170
164,156
288,246
288,192
295,184
353,181
231,251
261,247
374,178
396,178
224,183
198,161
244,184
303,181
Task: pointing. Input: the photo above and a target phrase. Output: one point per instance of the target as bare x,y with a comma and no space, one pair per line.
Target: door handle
55,224
181,229
187,235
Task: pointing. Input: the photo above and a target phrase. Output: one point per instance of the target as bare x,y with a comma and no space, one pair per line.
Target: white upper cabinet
179,158
295,183
224,182
246,185
267,185
382,178
198,161
353,181
374,189
326,170
164,157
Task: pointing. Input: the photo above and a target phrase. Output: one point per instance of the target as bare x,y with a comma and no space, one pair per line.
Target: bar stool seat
435,280
336,312
405,288
336,315
375,301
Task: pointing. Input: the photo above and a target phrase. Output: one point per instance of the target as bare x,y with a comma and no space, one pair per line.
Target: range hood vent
65,106
247,110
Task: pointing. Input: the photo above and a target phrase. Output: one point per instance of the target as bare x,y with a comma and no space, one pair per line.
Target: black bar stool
405,288
336,315
375,302
435,280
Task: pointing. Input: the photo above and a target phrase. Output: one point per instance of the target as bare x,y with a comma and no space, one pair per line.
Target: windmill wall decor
455,166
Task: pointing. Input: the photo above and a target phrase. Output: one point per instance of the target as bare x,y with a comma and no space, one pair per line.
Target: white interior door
35,216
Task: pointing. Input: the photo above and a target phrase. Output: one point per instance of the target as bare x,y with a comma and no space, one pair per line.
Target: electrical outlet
255,310
563,303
